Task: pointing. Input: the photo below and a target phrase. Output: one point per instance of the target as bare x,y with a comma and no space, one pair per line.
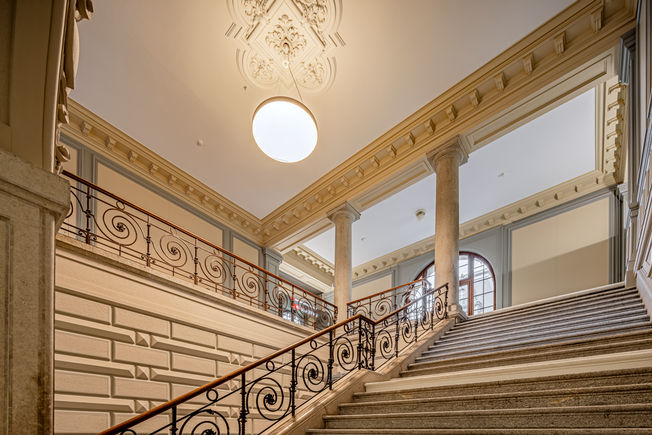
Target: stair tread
602,331
635,407
580,390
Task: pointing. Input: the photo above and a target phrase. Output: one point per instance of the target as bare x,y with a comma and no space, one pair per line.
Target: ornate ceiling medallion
279,35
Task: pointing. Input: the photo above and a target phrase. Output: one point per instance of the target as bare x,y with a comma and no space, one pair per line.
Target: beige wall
122,186
561,254
371,287
127,340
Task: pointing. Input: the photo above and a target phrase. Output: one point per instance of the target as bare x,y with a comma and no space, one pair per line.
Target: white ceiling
549,150
164,72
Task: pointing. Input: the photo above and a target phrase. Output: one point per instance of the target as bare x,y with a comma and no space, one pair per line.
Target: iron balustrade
99,218
380,304
254,398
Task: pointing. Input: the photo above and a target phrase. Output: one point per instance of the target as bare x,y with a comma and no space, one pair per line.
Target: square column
446,161
33,203
343,218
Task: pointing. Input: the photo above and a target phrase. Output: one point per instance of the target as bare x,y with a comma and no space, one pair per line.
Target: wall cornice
92,131
535,62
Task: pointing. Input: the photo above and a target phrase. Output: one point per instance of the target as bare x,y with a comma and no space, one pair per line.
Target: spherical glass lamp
284,129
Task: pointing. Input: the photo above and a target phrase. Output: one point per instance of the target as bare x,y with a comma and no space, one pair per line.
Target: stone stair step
599,416
520,356
545,330
594,379
592,299
559,315
574,319
483,431
583,396
553,338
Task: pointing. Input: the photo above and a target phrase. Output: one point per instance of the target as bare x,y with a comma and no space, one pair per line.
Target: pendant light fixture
283,127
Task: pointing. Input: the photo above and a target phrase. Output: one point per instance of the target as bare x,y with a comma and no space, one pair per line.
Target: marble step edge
606,289
489,358
575,318
632,300
479,431
571,410
594,363
512,394
458,350
600,341
547,330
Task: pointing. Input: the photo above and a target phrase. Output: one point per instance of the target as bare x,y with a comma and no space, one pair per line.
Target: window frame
469,280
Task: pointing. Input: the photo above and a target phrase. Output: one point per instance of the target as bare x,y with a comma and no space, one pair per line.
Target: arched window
477,283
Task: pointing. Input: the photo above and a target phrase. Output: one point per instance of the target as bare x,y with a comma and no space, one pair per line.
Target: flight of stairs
522,370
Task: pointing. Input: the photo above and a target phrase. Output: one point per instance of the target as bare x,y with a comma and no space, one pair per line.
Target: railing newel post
196,261
359,343
372,365
293,383
148,239
173,427
292,304
330,359
396,336
88,213
242,419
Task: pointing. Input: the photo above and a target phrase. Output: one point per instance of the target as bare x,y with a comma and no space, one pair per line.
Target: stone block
81,383
193,364
179,377
90,403
95,329
193,335
235,345
262,351
147,426
136,389
189,349
224,368
140,322
140,355
80,422
74,363
80,307
68,342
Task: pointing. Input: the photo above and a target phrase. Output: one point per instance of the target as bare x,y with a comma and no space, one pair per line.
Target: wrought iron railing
254,398
100,218
380,304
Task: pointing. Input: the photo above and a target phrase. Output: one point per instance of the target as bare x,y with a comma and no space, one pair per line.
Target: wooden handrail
219,381
385,291
199,390
188,233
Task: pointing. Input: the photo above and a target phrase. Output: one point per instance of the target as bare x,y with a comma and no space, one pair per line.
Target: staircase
575,364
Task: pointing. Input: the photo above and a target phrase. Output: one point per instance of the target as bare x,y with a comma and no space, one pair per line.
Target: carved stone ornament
279,39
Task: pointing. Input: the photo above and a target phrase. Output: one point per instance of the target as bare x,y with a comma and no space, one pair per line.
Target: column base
456,312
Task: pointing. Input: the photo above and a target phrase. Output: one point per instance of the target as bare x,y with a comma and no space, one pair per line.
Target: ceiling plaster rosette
279,35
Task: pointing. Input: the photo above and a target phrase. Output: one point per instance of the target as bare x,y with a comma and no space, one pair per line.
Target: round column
343,218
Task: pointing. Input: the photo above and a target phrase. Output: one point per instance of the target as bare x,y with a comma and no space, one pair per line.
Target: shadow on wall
580,269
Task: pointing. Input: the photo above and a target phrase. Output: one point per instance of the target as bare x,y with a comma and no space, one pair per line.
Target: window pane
488,299
464,292
463,267
465,305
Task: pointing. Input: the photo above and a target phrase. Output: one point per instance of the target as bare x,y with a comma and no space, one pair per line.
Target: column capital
457,147
345,209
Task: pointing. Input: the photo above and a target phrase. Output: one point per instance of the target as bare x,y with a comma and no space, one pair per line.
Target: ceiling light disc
284,129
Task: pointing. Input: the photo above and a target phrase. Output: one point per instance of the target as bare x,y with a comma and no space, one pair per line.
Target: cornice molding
537,61
97,134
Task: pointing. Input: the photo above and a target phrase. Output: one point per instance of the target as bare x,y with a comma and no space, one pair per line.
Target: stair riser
455,334
526,357
561,328
475,431
536,341
585,303
638,377
517,401
641,336
611,419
